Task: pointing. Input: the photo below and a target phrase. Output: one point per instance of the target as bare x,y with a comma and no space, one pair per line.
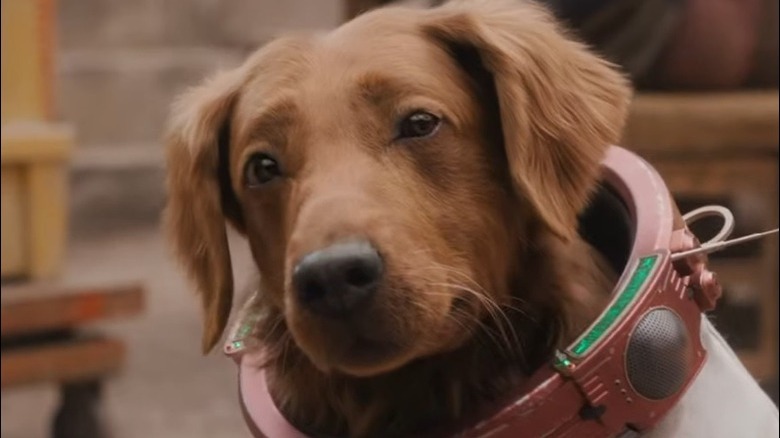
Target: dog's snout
337,280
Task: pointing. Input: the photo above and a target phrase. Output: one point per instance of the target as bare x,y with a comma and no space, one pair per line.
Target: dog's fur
485,272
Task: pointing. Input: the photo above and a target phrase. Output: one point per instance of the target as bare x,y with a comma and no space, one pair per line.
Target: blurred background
100,332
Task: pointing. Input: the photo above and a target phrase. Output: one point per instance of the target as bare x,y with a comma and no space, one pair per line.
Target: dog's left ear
560,105
200,199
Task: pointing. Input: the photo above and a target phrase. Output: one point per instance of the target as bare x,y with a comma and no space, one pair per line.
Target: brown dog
409,185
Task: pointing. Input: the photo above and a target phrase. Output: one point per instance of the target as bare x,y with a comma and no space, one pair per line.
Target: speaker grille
658,354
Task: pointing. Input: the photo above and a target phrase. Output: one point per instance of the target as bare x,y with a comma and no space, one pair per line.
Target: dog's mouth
360,356
368,356
375,342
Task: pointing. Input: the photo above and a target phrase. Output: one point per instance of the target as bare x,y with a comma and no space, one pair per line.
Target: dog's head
387,175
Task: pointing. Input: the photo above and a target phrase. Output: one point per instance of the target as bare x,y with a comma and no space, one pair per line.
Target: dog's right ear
560,105
200,198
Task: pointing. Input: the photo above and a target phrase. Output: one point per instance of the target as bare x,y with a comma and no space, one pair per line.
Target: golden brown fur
477,224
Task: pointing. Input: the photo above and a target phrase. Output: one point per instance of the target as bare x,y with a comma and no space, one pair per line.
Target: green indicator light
615,311
562,363
237,344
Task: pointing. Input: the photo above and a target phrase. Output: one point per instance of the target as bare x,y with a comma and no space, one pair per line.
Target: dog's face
386,174
370,195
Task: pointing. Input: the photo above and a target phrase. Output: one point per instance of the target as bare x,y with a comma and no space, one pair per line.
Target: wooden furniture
35,149
44,341
28,29
34,198
723,149
39,321
43,326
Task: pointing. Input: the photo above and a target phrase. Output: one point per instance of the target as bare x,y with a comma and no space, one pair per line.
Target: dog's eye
418,124
260,169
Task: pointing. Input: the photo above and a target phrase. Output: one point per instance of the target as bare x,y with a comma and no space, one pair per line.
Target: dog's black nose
337,280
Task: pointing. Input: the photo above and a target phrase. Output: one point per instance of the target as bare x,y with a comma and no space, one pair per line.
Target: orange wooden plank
28,310
701,124
61,362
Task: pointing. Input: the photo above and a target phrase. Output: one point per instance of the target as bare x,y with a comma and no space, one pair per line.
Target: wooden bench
43,341
42,323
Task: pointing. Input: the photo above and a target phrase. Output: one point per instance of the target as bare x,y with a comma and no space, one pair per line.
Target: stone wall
119,65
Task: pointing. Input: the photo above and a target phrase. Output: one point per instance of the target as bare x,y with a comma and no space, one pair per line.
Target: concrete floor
168,389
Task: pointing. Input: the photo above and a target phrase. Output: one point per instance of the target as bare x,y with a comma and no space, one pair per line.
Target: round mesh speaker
658,354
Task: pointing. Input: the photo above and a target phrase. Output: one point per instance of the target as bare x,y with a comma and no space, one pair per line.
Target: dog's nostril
336,280
360,275
312,290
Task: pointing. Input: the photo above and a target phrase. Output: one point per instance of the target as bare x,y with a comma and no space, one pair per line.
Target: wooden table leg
78,413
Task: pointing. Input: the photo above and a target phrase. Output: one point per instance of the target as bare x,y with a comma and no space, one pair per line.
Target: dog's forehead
323,70
329,81
381,35
388,39
381,22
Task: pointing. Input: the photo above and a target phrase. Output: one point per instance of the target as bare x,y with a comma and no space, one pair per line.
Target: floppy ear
560,106
200,197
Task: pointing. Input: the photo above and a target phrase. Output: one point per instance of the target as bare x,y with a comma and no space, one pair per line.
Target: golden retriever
409,185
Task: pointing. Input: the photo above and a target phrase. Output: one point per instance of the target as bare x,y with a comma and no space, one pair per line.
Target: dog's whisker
457,315
465,276
503,323
506,345
502,344
451,270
